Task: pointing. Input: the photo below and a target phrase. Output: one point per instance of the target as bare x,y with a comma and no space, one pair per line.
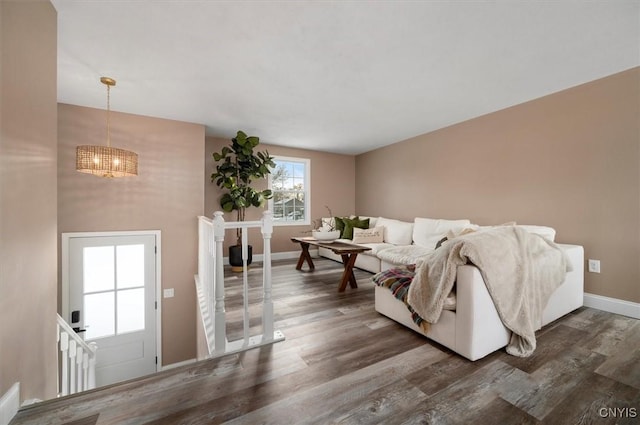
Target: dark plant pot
235,255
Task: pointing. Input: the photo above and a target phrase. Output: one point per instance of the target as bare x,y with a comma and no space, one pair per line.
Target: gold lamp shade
105,161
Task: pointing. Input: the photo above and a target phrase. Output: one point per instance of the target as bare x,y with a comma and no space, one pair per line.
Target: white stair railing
77,362
210,284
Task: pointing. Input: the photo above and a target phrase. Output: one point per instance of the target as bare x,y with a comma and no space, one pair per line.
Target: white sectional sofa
404,242
474,328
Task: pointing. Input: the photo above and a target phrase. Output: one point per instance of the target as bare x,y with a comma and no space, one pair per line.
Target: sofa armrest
570,295
479,330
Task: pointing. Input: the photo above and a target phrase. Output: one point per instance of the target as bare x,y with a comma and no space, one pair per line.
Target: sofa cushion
396,232
404,255
428,231
376,248
371,235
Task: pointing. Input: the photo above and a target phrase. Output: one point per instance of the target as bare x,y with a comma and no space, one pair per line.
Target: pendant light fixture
105,161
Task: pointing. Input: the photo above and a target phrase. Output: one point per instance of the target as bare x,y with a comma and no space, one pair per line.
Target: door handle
78,330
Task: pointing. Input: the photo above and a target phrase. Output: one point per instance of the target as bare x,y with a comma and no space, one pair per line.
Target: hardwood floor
342,362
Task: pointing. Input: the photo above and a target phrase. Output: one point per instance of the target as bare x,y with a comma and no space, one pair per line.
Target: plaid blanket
397,280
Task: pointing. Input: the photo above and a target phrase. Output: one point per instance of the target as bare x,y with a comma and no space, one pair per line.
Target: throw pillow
339,224
351,223
373,235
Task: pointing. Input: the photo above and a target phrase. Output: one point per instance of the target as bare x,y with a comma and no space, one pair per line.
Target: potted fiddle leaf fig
237,166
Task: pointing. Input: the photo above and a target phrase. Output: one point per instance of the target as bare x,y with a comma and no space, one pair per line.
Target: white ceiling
336,76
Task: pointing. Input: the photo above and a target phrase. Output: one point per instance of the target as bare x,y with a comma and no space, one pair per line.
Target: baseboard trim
178,364
9,404
612,305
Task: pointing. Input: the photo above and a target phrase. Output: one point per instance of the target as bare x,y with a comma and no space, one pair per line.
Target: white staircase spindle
85,371
72,366
79,358
92,366
64,349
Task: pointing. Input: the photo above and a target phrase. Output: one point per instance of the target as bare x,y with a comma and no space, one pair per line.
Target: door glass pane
99,315
130,266
130,310
98,266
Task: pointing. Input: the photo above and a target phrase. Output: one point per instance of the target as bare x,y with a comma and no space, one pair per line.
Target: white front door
112,302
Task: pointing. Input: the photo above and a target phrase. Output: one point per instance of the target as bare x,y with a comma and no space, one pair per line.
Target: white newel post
85,371
245,286
220,333
203,252
267,307
209,269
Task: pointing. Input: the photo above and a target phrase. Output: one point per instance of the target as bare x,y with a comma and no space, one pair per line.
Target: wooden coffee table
348,252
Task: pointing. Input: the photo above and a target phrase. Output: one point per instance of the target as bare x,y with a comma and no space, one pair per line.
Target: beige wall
28,198
332,184
167,195
569,160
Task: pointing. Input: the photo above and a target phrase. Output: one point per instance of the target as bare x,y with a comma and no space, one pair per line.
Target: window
289,181
113,290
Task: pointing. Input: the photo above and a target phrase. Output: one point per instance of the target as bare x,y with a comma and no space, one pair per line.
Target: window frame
307,191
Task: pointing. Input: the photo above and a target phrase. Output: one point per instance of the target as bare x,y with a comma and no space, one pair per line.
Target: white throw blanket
521,271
